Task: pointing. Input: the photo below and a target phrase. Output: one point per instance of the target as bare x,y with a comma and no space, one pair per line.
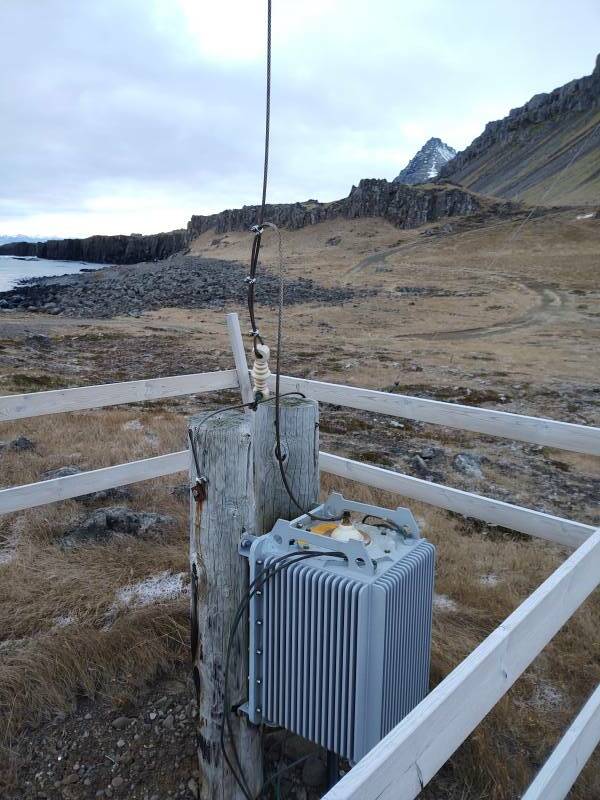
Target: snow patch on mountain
427,163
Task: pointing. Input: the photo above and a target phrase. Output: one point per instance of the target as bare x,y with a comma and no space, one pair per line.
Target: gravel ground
180,281
142,751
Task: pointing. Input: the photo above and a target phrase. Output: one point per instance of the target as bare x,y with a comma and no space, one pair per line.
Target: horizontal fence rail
537,430
410,755
31,495
560,772
495,512
21,406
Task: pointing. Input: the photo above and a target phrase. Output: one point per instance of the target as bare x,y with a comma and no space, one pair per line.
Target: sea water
14,269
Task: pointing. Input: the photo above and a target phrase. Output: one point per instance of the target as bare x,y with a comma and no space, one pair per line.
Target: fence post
239,356
223,447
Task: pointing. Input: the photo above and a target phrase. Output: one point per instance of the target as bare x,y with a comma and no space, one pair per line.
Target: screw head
259,621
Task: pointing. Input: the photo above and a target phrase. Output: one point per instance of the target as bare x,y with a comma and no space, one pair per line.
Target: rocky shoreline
180,281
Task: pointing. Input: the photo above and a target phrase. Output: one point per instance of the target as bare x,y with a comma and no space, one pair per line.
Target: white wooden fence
410,755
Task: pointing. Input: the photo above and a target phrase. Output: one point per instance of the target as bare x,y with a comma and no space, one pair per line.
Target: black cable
276,566
236,407
256,584
237,771
277,775
384,522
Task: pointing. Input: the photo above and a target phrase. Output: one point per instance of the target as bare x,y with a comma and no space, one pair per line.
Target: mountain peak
426,164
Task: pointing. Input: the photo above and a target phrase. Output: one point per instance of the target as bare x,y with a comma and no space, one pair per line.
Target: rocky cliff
545,151
404,206
103,249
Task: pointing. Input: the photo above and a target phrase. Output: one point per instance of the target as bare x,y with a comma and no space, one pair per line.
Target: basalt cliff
404,206
544,152
103,249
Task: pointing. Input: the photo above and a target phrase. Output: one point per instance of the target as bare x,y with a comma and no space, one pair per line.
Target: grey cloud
98,97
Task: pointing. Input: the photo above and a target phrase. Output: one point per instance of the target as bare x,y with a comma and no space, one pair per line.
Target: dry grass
45,667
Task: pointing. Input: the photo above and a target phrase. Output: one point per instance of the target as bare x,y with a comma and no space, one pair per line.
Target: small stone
72,778
121,743
169,722
420,466
153,715
469,465
117,782
120,723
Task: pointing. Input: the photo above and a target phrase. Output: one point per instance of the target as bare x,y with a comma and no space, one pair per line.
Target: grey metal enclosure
340,648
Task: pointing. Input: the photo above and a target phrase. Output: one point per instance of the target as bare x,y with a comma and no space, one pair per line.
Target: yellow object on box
324,528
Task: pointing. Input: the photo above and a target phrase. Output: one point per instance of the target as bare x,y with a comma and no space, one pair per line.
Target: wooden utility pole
223,446
243,494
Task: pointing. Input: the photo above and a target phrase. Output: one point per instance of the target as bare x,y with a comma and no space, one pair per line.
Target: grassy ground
518,331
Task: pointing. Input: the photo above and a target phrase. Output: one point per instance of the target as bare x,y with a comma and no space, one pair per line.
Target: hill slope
547,151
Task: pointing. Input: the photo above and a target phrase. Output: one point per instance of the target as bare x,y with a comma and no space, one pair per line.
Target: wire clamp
249,280
257,230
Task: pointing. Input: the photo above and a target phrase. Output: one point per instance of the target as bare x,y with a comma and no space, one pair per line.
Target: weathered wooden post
223,447
243,493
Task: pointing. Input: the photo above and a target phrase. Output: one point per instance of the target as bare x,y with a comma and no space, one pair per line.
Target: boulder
22,443
103,523
469,464
60,472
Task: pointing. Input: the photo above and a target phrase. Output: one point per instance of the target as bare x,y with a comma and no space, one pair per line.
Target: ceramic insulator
260,370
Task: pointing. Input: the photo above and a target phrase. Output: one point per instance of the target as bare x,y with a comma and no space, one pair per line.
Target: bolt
258,593
259,652
259,621
258,681
259,563
259,710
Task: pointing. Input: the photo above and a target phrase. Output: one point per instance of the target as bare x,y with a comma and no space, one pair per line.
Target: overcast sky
123,116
